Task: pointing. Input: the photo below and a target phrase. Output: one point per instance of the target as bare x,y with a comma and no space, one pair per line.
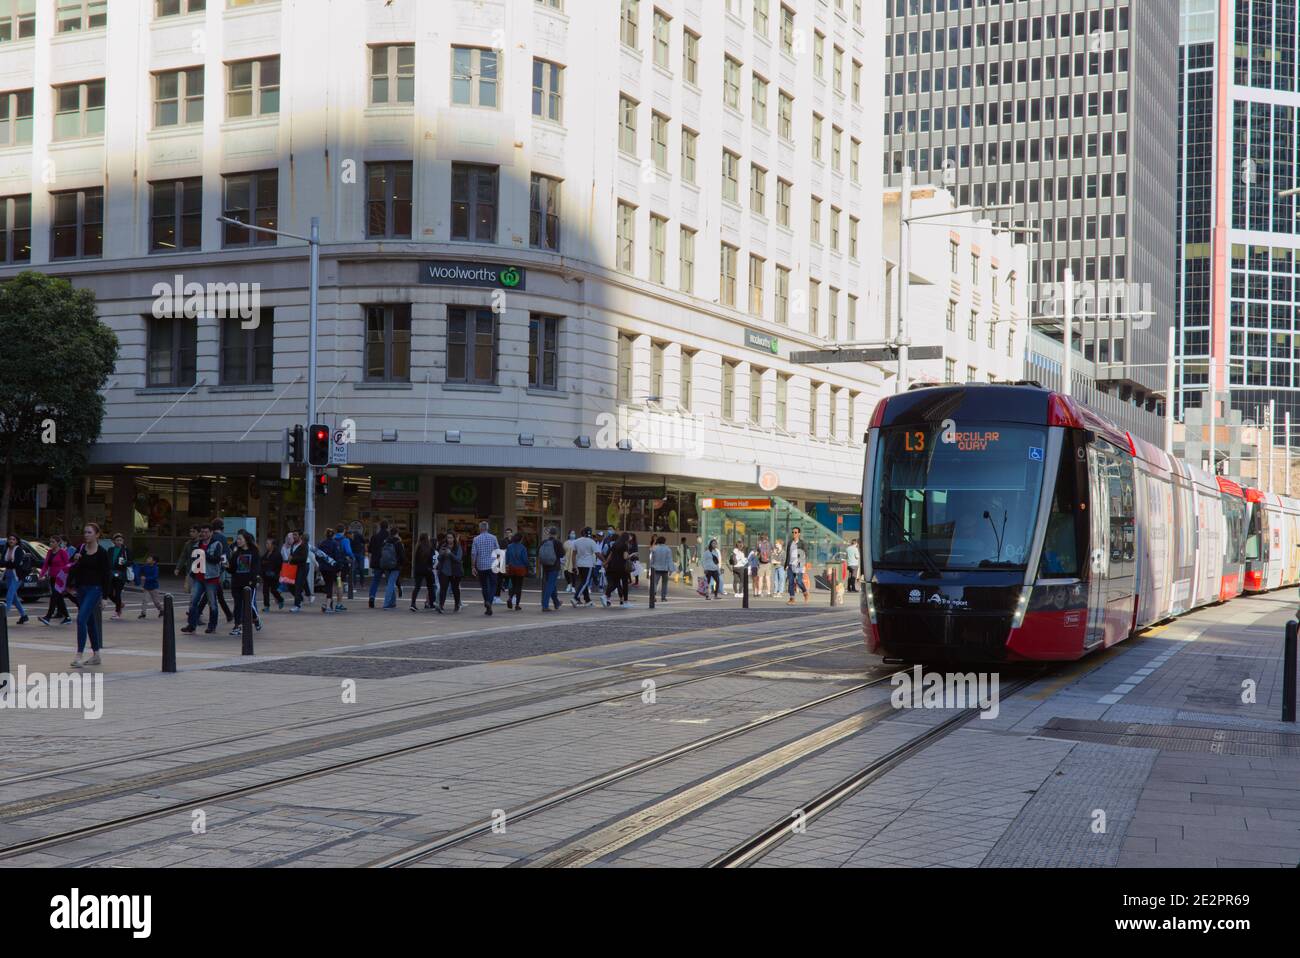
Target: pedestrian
146,577
423,574
483,557
585,563
685,560
778,567
551,554
661,567
374,551
347,563
55,568
451,563
618,570
331,559
299,559
764,573
88,578
711,564
186,559
854,563
272,563
207,581
502,574
245,569
219,534
391,557
796,558
739,567
119,563
570,570
634,559
516,570
358,543
16,561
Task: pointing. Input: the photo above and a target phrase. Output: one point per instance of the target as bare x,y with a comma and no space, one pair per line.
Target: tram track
150,754
78,797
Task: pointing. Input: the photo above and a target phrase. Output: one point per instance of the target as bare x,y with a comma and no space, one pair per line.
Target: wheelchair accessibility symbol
1035,454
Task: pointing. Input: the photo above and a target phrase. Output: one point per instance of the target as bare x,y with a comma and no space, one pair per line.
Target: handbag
288,573
702,586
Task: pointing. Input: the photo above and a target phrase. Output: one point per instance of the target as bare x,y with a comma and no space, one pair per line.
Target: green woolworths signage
483,275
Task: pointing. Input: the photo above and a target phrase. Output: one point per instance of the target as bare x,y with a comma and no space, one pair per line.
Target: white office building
568,249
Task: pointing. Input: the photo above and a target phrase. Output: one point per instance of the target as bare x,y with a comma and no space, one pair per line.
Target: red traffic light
318,447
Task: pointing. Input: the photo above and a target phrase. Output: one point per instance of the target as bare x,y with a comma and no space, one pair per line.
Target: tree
57,358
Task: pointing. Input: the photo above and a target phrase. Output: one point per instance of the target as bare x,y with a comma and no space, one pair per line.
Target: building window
246,354
731,82
471,346
758,101
474,78
814,307
176,215
815,221
757,189
819,55
544,213
178,97
835,230
624,385
950,370
686,257
952,316
813,389
16,229
388,344
853,319
761,17
659,141
756,264
625,255
687,374
543,352
972,326
388,200
658,353
853,237
953,249
972,374
817,125
857,82
689,140
627,124
782,296
73,15
392,74
785,116
727,275
79,110
834,410
252,198
548,90
77,224
833,313
729,390
787,31
473,203
172,346
782,401
975,268
16,117
837,69
855,160
17,20
783,202
730,176
663,30
756,396
253,88
628,20
175,8
691,57
837,147
658,248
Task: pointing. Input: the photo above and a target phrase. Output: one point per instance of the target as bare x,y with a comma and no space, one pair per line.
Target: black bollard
169,634
830,578
352,574
652,589
1288,671
744,584
4,639
99,623
246,622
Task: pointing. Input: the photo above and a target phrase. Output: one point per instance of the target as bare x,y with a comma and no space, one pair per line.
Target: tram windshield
956,496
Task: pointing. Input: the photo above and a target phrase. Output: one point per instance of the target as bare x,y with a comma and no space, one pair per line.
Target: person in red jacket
55,568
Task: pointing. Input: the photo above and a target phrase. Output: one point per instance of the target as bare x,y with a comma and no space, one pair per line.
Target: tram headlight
1022,605
870,600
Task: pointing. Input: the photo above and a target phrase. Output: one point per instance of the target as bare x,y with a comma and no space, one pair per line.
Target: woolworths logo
484,275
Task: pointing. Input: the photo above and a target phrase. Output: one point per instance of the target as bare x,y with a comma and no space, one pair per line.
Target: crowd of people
296,572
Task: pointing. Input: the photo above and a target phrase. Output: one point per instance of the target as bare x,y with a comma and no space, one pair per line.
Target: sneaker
298,608
518,608
326,609
236,631
94,660
43,620
340,607
209,631
22,620
604,600
372,603
76,663
488,610
414,609
142,616
266,609
575,602
189,630
257,626
496,600
437,608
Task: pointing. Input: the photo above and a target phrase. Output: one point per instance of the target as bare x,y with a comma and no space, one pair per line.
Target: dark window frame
181,329
81,225
391,202
458,325
260,338
393,317
542,328
252,213
180,216
10,231
469,200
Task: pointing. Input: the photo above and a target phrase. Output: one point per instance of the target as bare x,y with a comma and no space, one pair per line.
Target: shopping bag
702,586
288,574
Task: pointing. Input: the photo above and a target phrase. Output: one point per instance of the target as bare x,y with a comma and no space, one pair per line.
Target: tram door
1099,547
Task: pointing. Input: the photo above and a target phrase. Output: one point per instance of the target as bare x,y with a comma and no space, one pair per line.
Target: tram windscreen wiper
931,566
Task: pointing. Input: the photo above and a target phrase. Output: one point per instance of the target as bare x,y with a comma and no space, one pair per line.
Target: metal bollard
652,588
352,574
4,639
246,622
830,578
169,634
744,584
99,623
1288,671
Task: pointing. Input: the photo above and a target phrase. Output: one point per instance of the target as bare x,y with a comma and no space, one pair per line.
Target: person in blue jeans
391,558
374,549
206,582
16,561
550,554
88,579
482,556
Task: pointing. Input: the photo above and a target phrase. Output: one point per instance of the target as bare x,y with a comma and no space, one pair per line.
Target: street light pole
313,241
1068,369
1169,396
904,265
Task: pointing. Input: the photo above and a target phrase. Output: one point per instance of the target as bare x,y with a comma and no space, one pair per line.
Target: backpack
22,561
325,559
388,556
546,554
764,552
332,548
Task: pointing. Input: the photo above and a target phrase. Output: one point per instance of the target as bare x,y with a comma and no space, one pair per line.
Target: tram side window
1254,539
1061,542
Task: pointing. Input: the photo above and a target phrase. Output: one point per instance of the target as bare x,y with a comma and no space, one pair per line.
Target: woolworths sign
485,275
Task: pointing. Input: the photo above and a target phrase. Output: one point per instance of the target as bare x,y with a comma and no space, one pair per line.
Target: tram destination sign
881,354
443,272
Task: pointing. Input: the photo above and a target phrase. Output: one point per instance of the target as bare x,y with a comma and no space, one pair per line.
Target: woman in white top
711,563
739,563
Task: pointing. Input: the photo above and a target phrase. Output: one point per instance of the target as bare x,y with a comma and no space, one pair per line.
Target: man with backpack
391,557
374,549
331,557
764,579
549,556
